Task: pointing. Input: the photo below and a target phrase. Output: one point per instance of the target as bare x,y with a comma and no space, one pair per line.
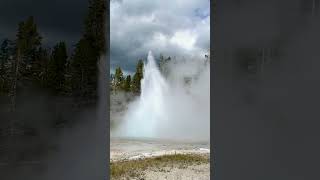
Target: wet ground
127,149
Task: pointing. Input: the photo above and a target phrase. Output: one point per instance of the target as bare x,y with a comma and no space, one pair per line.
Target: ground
192,172
159,159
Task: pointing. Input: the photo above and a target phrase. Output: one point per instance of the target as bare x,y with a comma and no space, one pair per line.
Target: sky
176,28
57,20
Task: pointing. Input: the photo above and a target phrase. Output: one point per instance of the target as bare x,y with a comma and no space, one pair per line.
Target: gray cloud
57,20
173,28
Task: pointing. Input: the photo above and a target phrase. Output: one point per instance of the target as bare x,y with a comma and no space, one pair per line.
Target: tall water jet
167,108
143,120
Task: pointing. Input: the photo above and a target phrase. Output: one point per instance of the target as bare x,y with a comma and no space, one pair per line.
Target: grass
135,168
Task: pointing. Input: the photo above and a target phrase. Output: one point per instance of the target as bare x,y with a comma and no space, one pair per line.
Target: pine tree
88,51
28,43
127,84
84,70
43,58
118,79
95,25
57,67
4,71
4,51
28,40
136,86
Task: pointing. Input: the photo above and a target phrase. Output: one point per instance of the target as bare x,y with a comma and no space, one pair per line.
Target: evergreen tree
127,84
27,43
5,53
84,70
57,67
118,79
95,25
28,40
43,57
136,86
67,89
88,51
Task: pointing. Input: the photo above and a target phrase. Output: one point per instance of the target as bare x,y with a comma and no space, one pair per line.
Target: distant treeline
120,82
24,62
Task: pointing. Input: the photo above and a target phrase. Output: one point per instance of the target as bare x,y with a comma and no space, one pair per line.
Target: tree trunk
15,73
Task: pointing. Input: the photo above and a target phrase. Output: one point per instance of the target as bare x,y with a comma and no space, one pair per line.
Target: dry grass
134,169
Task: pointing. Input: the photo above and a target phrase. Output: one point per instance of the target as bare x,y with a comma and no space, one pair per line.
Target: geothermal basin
139,148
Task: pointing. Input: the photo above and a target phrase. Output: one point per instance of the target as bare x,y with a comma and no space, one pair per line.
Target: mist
175,106
69,143
82,147
273,135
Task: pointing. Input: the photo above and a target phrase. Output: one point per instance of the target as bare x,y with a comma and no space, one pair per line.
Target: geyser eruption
143,120
167,108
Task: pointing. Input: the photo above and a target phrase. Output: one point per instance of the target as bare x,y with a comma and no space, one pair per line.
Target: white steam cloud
170,108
